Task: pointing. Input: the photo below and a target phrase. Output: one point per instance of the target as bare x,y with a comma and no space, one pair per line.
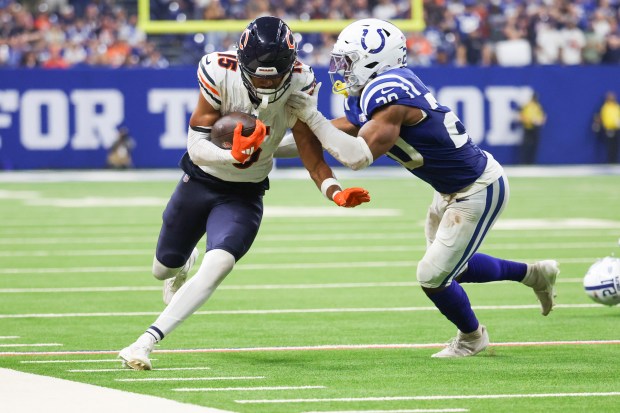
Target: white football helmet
364,49
602,281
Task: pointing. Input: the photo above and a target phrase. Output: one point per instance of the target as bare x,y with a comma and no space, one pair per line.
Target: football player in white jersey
221,192
389,111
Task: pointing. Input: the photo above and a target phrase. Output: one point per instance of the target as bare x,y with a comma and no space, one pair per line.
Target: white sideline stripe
8,337
239,287
455,397
192,378
130,370
327,347
31,345
395,411
58,395
296,311
198,389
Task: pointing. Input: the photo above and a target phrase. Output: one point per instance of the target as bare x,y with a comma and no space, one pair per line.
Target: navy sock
483,268
454,304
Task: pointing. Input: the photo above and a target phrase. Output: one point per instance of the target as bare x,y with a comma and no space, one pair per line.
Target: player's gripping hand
244,146
351,197
303,105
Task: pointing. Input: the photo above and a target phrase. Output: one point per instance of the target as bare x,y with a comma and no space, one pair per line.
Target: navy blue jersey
437,149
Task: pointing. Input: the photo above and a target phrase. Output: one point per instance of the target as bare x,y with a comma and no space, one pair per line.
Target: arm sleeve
202,152
352,152
287,147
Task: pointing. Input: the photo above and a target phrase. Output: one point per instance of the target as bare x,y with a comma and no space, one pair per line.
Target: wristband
326,184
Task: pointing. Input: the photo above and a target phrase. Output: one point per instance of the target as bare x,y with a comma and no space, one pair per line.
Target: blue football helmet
267,49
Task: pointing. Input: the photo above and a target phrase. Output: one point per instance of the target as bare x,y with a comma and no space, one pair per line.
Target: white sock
147,339
216,265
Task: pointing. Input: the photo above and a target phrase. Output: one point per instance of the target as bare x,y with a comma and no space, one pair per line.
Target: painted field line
31,345
8,337
130,370
296,311
238,287
74,253
502,225
327,347
264,388
395,411
116,360
310,250
222,287
447,397
151,379
252,267
149,240
23,229
240,267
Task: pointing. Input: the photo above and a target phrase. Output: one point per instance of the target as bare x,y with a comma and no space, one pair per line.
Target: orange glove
351,197
244,146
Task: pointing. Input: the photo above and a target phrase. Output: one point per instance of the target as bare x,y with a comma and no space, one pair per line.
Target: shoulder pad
386,89
209,73
303,78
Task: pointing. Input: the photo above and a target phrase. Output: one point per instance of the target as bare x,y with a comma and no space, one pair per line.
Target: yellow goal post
414,24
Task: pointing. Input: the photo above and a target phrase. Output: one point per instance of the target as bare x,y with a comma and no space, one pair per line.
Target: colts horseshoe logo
381,46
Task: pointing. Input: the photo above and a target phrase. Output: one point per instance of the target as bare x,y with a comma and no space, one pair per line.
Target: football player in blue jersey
389,111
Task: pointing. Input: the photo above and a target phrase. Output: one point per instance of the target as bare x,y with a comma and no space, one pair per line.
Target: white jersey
219,77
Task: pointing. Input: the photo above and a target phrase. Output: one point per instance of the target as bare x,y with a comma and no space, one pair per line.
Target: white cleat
465,345
541,278
172,285
136,356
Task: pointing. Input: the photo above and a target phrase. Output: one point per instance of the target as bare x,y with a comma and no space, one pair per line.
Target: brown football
223,129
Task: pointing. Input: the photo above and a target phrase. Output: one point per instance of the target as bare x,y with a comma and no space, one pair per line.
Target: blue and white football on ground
602,281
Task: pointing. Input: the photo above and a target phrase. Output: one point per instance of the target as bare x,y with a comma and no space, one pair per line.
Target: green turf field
323,314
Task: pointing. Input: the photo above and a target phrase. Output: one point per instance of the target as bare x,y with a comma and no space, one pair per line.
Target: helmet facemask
266,96
341,73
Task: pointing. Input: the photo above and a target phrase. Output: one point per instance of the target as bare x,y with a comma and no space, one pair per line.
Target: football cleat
541,278
172,285
136,356
465,345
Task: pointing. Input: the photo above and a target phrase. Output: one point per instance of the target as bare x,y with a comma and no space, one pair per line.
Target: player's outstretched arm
352,152
311,154
374,139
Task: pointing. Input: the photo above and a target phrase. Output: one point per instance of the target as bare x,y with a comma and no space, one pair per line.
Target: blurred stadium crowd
84,33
